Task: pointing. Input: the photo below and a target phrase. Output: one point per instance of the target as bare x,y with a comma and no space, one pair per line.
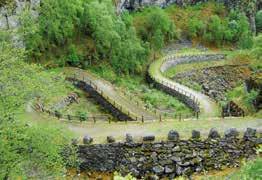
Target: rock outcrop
215,81
9,14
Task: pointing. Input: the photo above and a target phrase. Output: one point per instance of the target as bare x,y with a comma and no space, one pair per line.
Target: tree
259,21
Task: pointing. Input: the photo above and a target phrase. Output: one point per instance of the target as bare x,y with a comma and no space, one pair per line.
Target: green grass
135,87
86,105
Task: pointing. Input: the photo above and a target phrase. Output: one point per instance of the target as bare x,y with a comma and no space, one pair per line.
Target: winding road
208,108
111,95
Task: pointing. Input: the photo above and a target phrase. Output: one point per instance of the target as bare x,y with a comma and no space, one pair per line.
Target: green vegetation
89,34
139,90
259,21
28,150
212,24
243,98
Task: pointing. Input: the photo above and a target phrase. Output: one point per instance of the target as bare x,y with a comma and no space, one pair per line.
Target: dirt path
100,130
113,96
208,107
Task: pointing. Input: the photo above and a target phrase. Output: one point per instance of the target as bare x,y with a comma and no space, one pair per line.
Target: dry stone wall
170,158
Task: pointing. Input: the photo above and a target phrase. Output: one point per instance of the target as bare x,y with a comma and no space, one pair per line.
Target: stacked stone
171,158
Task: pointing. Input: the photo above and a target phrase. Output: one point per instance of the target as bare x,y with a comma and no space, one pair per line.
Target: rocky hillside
215,81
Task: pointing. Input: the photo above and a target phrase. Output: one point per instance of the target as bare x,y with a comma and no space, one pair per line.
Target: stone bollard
110,139
213,134
250,133
195,134
129,138
149,138
231,133
173,135
87,139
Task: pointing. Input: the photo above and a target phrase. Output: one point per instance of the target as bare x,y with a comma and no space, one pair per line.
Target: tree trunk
252,22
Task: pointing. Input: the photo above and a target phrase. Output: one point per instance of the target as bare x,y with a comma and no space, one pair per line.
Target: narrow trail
208,108
111,94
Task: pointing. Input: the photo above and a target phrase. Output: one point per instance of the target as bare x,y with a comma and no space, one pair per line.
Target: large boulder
195,134
213,134
129,138
87,139
173,135
250,133
110,139
231,133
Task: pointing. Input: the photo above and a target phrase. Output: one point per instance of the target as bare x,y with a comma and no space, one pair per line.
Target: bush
73,58
82,115
196,27
32,151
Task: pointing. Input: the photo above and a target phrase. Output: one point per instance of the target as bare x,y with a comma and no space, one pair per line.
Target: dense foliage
212,24
27,150
60,21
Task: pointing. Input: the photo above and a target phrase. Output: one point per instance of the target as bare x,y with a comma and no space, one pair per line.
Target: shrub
82,115
73,58
196,27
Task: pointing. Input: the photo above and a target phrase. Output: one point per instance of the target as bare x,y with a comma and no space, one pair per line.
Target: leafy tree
58,19
115,40
196,27
215,30
156,23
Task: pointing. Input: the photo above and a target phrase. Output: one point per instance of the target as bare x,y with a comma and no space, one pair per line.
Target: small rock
173,135
176,149
158,169
231,133
250,133
149,138
87,139
110,139
179,170
169,169
129,138
195,134
134,172
213,134
152,177
175,159
154,156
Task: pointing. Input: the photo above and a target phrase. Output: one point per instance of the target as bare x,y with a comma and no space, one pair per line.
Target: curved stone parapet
193,99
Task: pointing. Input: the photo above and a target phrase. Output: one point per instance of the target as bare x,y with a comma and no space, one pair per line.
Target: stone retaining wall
181,97
170,158
173,61
102,101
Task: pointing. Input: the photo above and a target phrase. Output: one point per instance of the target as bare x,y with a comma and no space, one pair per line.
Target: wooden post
160,118
109,120
142,119
197,114
94,119
180,117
